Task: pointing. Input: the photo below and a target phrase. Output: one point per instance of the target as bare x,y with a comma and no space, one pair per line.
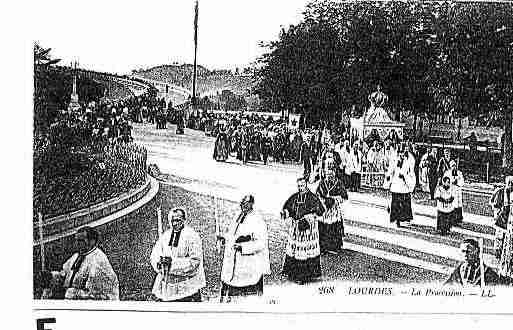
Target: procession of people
315,223
314,219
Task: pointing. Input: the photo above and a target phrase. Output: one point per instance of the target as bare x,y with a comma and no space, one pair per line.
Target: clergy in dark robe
458,182
432,171
332,194
244,146
445,195
302,258
443,165
468,273
180,123
500,202
266,146
306,156
221,146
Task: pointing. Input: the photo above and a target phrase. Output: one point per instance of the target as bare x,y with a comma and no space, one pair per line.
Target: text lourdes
370,291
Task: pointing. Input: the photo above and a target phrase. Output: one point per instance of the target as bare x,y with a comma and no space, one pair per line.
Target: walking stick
481,263
41,241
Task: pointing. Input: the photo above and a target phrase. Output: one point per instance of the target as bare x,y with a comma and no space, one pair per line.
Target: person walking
445,203
501,206
177,258
456,177
86,275
302,257
506,259
246,253
332,194
401,182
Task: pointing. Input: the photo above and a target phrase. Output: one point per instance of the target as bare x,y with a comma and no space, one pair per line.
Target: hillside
209,81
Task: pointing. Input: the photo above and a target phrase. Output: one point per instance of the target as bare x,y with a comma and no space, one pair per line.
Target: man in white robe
87,275
177,258
246,253
456,177
401,182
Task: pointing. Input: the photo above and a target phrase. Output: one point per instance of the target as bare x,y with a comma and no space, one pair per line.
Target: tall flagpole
195,54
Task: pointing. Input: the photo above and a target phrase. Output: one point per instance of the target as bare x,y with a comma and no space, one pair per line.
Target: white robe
445,194
253,262
457,182
186,275
95,279
398,185
354,164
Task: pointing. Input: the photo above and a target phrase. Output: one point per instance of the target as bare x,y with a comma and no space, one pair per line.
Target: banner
294,121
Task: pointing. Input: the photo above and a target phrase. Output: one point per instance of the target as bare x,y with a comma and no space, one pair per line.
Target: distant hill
209,81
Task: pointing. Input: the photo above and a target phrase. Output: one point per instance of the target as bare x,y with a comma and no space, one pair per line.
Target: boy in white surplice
177,258
246,253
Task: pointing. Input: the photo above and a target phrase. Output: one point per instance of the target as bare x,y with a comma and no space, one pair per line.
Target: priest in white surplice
246,253
177,258
400,179
87,275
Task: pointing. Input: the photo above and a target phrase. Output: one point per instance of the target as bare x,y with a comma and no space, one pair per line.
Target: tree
431,58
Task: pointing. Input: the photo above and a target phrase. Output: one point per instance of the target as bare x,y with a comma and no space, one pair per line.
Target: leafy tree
430,58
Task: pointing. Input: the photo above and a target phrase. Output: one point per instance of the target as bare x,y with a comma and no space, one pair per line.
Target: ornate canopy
375,119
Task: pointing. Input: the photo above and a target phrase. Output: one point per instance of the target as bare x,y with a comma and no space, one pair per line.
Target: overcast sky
118,36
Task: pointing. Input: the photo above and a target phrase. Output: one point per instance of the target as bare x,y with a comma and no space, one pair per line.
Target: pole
159,231
219,244
159,222
216,218
481,263
41,241
195,54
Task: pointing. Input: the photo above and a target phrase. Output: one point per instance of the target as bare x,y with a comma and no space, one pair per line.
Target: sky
118,36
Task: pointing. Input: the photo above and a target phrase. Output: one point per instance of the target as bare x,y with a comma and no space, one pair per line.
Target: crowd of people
254,137
315,219
315,227
110,121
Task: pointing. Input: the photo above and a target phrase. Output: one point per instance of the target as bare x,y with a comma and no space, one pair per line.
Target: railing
372,179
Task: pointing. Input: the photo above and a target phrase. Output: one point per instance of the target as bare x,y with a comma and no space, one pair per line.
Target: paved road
188,158
374,250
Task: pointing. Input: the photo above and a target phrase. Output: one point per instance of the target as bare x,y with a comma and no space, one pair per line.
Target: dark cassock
401,179
306,156
469,275
457,182
266,147
302,258
221,147
332,194
180,123
443,166
445,201
506,257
